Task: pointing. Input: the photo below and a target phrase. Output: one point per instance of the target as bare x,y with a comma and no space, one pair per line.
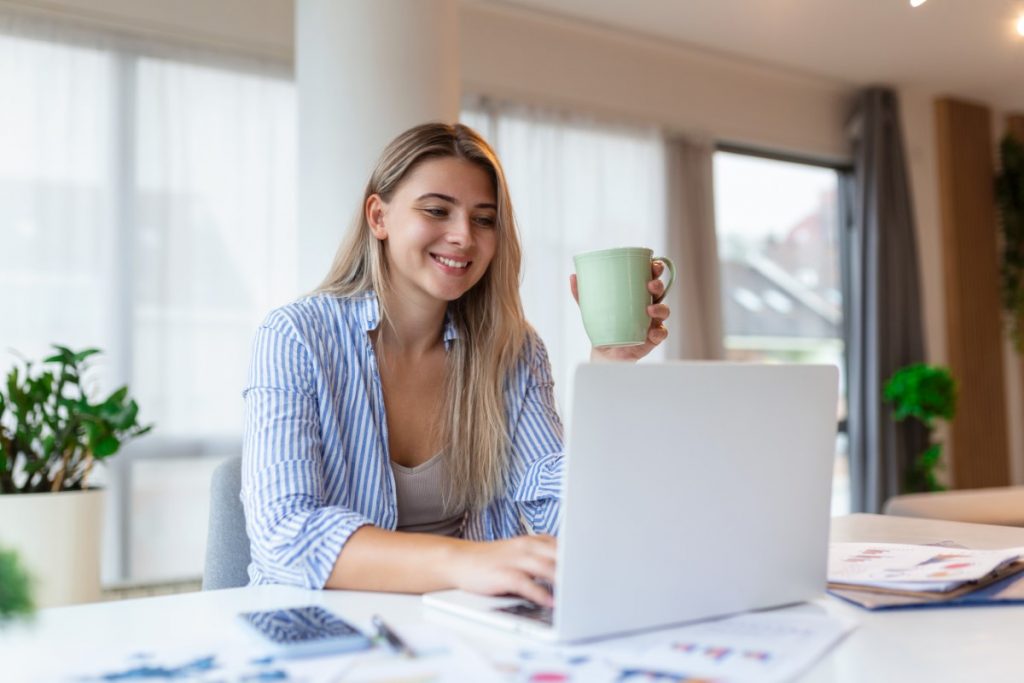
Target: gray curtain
883,309
695,299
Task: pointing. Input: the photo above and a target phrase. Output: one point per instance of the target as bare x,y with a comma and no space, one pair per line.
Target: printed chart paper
762,647
913,567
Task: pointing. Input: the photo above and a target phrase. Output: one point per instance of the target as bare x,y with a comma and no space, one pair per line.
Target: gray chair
227,544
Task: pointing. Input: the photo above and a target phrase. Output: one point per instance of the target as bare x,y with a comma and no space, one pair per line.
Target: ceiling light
1020,24
916,3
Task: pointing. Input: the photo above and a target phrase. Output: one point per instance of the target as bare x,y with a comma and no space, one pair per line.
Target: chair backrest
227,545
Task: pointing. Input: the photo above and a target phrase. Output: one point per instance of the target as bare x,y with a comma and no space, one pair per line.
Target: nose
460,232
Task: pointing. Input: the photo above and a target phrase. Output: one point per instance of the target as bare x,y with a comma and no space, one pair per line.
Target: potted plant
925,393
1010,199
52,433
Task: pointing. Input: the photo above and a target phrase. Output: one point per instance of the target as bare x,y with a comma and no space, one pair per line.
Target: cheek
413,236
488,246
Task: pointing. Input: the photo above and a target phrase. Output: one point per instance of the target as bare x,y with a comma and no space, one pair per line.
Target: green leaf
82,355
106,447
64,355
930,458
35,466
93,430
126,419
116,398
925,392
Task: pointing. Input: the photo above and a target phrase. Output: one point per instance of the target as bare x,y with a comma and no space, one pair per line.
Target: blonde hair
489,317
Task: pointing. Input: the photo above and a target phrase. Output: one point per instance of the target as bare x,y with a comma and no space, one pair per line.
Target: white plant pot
57,537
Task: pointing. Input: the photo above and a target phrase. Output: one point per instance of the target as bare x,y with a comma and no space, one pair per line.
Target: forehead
458,178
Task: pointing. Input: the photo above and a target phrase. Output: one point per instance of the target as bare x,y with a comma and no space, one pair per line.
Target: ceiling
967,48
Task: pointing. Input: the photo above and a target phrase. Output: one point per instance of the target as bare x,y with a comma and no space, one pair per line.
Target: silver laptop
693,490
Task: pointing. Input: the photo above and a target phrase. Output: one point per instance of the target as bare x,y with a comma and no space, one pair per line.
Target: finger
656,288
658,312
538,567
544,545
656,335
532,591
657,268
574,288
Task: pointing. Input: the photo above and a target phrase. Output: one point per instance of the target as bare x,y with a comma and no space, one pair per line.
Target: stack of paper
918,568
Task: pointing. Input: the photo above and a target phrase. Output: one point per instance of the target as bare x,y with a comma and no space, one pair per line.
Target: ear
375,209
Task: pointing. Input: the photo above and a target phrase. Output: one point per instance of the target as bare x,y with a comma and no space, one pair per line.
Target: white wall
535,58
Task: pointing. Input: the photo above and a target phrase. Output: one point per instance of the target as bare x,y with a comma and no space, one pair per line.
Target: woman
401,432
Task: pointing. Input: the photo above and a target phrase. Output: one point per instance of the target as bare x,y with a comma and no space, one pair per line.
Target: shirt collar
370,313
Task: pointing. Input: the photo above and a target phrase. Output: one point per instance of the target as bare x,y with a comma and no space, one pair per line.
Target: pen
397,644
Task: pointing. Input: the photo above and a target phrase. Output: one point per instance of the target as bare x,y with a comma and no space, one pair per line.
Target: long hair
489,317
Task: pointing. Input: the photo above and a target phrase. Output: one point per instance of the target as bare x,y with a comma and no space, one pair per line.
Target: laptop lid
693,490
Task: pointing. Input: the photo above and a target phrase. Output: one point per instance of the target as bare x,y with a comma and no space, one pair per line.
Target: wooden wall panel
1015,126
974,325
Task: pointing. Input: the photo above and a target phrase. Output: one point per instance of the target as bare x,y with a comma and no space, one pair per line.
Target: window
778,228
147,208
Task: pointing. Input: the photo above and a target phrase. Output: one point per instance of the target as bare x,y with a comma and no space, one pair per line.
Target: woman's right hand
508,566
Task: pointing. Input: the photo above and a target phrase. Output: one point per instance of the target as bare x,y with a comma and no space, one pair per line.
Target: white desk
959,644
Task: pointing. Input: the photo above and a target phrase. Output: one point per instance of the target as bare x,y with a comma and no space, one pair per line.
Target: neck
411,328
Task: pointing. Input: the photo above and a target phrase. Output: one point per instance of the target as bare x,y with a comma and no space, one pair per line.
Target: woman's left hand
656,333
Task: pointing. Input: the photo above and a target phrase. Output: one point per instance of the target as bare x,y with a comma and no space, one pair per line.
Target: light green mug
612,287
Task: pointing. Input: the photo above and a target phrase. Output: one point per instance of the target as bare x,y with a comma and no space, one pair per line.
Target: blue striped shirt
315,464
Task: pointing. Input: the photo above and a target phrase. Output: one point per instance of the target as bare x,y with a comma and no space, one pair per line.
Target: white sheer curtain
215,235
57,202
147,207
576,186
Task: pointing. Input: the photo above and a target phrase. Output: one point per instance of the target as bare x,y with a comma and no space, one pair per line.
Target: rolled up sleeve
537,444
294,537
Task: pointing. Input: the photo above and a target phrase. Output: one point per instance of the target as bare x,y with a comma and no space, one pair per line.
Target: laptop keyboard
530,610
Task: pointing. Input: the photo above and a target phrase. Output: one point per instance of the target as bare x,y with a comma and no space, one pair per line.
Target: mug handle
671,275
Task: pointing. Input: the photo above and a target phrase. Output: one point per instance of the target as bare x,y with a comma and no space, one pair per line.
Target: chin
451,296
450,293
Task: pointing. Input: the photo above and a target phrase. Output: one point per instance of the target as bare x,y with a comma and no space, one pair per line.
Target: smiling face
439,229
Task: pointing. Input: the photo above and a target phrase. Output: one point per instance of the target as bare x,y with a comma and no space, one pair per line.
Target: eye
485,221
435,211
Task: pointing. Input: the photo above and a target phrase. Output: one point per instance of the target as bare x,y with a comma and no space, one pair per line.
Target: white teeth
452,264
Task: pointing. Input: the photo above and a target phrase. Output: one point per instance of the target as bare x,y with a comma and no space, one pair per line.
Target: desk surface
959,644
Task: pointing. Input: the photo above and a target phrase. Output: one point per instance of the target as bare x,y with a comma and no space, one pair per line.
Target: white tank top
420,507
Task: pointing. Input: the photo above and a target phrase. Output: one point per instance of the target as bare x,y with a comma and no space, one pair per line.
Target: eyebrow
452,200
